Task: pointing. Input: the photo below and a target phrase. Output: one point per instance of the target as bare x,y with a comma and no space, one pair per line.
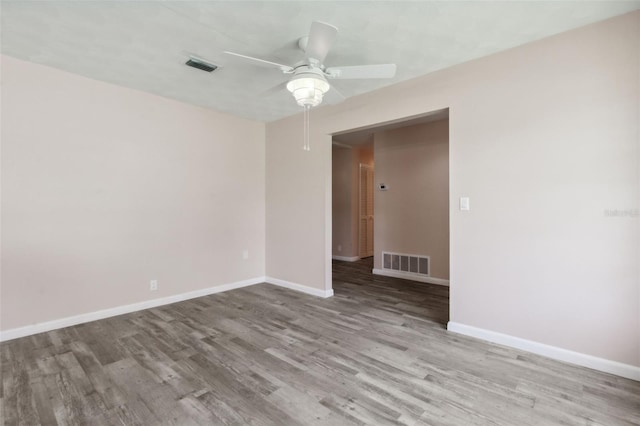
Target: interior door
366,210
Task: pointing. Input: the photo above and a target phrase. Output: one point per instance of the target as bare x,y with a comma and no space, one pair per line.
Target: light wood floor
376,353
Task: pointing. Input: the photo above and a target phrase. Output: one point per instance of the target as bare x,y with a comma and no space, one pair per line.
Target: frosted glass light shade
308,89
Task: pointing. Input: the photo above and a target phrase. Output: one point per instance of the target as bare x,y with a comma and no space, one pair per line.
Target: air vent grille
201,65
409,263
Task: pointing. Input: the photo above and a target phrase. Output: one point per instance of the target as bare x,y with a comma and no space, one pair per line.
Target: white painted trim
328,212
410,276
584,360
42,327
301,288
346,259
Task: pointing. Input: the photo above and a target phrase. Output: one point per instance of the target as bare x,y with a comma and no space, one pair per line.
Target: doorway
400,205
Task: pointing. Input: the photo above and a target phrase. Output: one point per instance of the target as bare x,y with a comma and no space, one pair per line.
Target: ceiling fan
308,82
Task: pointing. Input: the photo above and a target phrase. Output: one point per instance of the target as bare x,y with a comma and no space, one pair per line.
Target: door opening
409,217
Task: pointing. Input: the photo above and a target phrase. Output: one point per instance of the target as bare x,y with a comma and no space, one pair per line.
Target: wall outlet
339,247
245,254
153,285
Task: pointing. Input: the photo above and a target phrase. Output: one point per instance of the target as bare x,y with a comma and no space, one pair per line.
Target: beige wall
299,217
105,188
342,201
544,140
412,216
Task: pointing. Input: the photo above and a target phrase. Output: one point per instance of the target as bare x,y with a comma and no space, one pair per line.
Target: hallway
425,301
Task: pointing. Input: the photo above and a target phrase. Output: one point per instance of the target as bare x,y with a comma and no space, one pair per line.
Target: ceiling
144,44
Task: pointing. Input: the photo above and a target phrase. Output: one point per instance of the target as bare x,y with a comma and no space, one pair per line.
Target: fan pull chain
307,146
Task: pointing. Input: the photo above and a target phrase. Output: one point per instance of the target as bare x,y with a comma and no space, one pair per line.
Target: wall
105,188
299,217
342,202
544,141
412,216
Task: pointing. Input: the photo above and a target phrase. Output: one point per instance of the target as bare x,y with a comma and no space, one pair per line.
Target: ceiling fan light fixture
308,88
309,84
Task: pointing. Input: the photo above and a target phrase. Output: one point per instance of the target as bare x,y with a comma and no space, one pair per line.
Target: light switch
464,203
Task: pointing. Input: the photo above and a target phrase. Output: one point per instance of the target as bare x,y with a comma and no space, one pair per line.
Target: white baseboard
346,259
119,310
584,360
299,287
43,327
410,276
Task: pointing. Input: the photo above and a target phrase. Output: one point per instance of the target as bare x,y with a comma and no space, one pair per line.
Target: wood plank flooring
376,353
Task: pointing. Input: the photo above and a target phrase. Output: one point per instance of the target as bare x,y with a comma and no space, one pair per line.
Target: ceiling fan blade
321,38
261,62
333,96
275,89
362,71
